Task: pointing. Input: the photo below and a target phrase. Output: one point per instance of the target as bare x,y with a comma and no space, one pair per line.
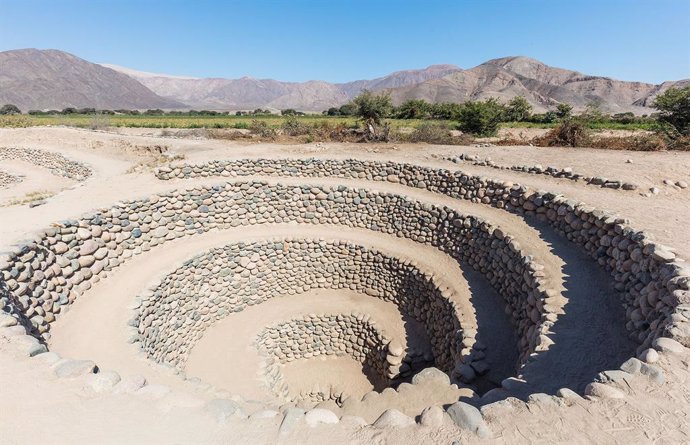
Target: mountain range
52,79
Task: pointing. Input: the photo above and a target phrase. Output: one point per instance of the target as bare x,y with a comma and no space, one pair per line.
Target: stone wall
538,169
173,315
43,275
653,282
55,162
7,179
353,335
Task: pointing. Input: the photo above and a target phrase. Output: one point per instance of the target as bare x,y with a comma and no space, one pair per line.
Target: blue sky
341,40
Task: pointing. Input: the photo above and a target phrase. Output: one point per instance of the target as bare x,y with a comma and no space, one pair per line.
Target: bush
570,133
372,107
445,111
518,110
413,109
674,105
481,118
564,111
293,127
261,128
10,109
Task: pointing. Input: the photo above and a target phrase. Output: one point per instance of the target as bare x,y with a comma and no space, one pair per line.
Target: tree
348,109
413,109
481,118
373,107
674,107
445,110
518,109
288,112
593,112
564,111
10,109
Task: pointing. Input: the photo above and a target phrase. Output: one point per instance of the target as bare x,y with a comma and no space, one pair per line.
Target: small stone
664,344
682,184
393,418
74,368
319,415
291,417
469,418
265,414
600,390
130,384
432,416
103,381
567,393
649,355
224,409
395,348
431,376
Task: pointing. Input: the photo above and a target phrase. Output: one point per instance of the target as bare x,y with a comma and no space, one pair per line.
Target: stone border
654,283
353,335
538,169
50,272
8,179
55,162
172,316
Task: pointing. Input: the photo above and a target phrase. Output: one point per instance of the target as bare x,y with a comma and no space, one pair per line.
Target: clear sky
342,40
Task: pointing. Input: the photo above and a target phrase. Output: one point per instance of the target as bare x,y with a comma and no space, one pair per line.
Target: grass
245,122
30,197
183,122
591,125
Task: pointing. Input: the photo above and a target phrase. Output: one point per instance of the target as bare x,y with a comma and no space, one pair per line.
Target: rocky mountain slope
542,85
51,79
247,92
34,79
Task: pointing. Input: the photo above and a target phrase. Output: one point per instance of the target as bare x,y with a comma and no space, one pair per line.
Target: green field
243,122
167,121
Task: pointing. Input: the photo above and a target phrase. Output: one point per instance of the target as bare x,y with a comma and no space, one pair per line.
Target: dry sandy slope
650,414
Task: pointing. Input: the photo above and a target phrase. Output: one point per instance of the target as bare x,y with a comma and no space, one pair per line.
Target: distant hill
41,79
51,79
542,85
250,93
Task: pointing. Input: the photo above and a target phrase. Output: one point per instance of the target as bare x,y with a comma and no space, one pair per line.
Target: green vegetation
372,107
9,109
674,107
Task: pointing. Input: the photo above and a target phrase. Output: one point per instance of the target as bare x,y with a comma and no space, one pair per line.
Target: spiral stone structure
310,289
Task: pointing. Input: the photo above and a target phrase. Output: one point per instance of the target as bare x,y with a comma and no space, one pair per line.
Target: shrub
261,128
372,107
571,132
292,126
564,111
518,109
481,118
413,109
10,109
674,107
445,110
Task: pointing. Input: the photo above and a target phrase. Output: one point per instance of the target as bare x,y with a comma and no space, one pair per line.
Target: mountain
35,79
542,85
249,93
51,79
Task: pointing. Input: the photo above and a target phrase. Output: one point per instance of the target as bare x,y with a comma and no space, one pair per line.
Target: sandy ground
588,339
